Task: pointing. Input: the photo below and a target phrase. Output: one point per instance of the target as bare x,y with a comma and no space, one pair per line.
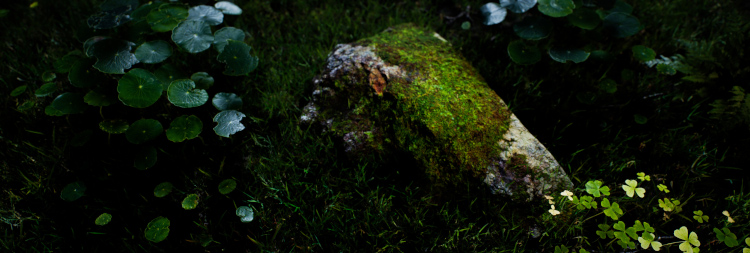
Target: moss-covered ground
309,197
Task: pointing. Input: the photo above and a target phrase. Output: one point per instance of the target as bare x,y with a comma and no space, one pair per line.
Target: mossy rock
407,90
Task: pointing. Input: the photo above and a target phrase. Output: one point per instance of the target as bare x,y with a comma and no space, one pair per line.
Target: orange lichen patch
377,82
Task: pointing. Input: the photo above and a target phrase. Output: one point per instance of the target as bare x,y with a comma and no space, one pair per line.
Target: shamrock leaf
630,188
663,188
613,210
688,240
643,177
568,194
561,249
700,217
586,202
726,236
648,240
596,189
667,205
605,232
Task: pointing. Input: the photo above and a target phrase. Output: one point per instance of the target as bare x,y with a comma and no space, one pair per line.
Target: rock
407,90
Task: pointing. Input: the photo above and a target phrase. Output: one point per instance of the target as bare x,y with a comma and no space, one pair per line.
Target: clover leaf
596,189
190,202
143,130
699,216
228,122
236,56
568,54
524,54
139,88
556,8
153,52
493,13
561,249
226,101
113,126
193,35
223,35
613,210
630,188
182,93
103,219
228,8
517,6
669,205
726,236
184,128
206,13
604,231
69,103
533,28
643,177
245,213
648,240
73,191
663,188
166,17
643,226
688,240
157,230
587,202
227,186
162,189
145,158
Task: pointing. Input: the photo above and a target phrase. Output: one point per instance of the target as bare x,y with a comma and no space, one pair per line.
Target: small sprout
663,188
190,202
245,213
549,198
157,230
596,189
648,240
73,191
568,194
163,189
493,13
689,241
700,217
103,219
553,211
729,218
630,188
726,236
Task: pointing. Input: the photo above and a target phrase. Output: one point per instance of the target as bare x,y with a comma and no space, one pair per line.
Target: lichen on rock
407,90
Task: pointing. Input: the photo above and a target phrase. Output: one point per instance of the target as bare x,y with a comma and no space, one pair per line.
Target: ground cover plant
655,123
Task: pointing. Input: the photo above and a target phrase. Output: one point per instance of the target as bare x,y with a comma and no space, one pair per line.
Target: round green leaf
145,158
167,74
166,17
466,25
103,219
114,17
69,103
142,12
621,25
80,138
523,54
564,55
227,186
157,230
163,189
556,8
601,55
584,18
533,28
643,53
226,101
640,119
184,128
64,64
48,76
46,90
143,130
113,56
114,126
139,88
52,111
206,13
228,8
26,105
193,35
620,6
493,14
190,202
202,80
182,93
18,91
153,52
99,97
245,213
608,85
236,56
73,191
517,6
228,123
666,69
223,35
83,75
